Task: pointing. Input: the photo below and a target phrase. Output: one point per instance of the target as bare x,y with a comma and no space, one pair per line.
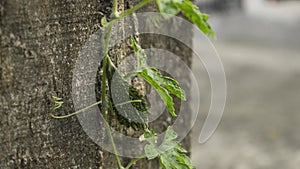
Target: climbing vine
169,152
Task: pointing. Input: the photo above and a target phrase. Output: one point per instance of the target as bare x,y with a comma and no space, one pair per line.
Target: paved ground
260,127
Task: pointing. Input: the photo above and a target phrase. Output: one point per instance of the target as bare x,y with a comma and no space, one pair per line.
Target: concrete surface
261,122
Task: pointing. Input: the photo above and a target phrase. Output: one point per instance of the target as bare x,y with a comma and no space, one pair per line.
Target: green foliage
166,82
170,153
167,7
190,10
193,13
162,84
163,93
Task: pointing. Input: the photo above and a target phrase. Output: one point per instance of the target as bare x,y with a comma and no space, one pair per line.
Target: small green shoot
104,22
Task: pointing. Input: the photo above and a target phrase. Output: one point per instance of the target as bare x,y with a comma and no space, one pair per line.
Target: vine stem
131,74
133,9
130,101
103,94
106,60
115,9
72,114
111,63
82,110
133,161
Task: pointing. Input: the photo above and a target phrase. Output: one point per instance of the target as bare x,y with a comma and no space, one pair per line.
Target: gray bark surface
40,41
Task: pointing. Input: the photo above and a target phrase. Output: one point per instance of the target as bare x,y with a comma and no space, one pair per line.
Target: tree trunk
40,41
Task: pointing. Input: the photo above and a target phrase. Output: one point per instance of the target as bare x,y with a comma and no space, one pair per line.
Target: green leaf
162,84
166,8
190,10
168,142
151,152
163,93
168,83
170,153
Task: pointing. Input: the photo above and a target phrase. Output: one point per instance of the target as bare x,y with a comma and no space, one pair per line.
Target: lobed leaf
151,152
170,153
162,84
163,93
190,10
166,8
168,83
150,149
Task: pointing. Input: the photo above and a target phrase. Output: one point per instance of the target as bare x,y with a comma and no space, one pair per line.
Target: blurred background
259,44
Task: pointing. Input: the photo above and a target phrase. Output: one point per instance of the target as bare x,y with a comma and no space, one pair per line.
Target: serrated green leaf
180,149
184,160
151,152
166,8
168,83
162,84
163,93
168,142
173,156
192,12
170,135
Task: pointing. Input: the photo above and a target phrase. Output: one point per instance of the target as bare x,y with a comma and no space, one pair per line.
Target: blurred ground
261,122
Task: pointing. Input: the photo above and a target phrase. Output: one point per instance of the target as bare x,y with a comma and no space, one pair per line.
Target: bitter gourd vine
134,112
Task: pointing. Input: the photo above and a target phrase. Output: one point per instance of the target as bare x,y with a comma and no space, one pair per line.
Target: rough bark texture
40,41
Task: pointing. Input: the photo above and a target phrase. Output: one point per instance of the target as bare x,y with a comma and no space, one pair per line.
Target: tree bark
40,41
